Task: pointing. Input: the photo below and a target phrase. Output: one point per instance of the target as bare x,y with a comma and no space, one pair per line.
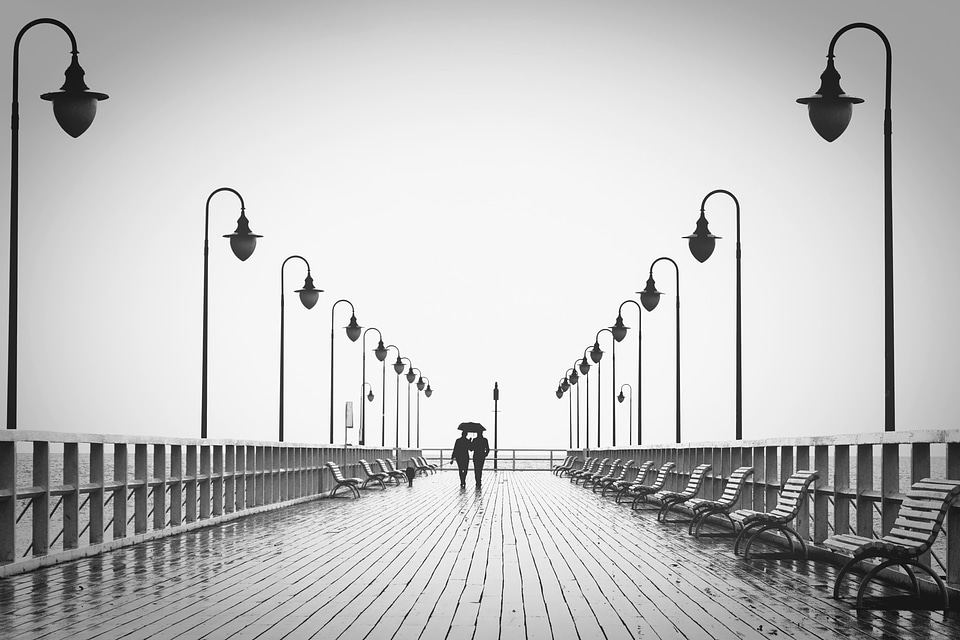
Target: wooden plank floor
531,556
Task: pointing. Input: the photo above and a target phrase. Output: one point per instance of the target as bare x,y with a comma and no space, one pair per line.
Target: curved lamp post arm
308,296
613,397
619,325
353,312
363,373
649,297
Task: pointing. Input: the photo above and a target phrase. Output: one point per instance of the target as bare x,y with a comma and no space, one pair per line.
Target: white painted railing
862,479
505,459
64,496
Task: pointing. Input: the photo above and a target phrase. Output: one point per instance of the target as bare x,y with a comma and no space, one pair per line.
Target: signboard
349,416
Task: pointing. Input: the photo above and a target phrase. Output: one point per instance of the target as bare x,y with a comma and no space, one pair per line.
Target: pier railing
862,479
505,459
64,496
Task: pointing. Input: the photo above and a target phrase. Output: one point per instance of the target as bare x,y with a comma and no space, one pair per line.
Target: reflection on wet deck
532,556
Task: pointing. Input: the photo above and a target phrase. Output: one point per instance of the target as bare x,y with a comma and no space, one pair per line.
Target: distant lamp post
421,386
309,295
574,379
620,399
410,376
585,372
74,107
398,368
353,332
363,370
619,331
830,110
649,298
243,243
596,354
702,244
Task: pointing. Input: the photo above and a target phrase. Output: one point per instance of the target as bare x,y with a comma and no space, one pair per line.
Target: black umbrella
471,427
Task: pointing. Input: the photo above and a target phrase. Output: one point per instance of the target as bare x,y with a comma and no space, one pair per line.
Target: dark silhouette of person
480,450
461,455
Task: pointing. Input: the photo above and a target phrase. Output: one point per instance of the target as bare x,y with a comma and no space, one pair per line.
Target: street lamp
585,372
398,367
620,398
702,244
353,332
649,298
74,107
363,370
596,354
830,111
309,295
574,378
619,331
411,376
243,243
421,385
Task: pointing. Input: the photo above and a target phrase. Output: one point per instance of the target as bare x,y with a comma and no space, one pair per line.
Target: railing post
176,485
159,486
890,485
8,501
953,517
120,492
260,476
204,481
773,483
251,477
96,531
71,500
41,503
821,495
191,483
141,489
217,481
864,487
239,477
841,489
229,481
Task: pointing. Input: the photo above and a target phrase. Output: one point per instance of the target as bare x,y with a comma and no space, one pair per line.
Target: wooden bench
352,484
703,508
590,467
752,523
670,499
612,476
574,469
640,491
391,472
917,526
638,478
563,466
372,476
601,473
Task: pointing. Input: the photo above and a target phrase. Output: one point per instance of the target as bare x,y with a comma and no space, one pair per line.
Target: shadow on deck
532,556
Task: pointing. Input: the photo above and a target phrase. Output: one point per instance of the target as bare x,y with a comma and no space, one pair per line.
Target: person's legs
462,469
478,469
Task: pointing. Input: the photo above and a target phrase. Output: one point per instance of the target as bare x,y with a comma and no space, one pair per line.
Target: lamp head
74,106
429,391
573,377
353,329
830,109
309,294
380,352
650,297
411,376
559,392
420,384
584,366
243,241
701,241
398,366
564,384
619,330
596,353
620,397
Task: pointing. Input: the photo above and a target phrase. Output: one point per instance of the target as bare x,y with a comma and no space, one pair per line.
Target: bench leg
941,587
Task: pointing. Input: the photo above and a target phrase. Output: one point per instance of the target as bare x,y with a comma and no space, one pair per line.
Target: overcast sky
486,182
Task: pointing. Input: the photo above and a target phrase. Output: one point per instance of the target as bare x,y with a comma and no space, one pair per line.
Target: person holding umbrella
480,450
461,454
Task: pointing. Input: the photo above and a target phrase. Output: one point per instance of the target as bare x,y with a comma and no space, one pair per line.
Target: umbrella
471,427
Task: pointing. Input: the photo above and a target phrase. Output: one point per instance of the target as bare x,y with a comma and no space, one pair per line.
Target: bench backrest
662,475
366,468
613,468
922,512
696,479
794,493
603,463
731,492
624,469
642,471
383,466
335,470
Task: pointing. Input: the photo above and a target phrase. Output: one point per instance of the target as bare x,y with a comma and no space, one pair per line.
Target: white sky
486,182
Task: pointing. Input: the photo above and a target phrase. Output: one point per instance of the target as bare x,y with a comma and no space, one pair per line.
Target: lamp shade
564,384
421,384
74,106
353,329
573,377
243,241
701,241
559,392
309,294
584,366
411,376
428,392
830,109
596,353
620,396
380,352
650,297
619,330
398,366
370,396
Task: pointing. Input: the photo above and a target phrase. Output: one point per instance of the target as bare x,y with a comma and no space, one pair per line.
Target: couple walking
464,446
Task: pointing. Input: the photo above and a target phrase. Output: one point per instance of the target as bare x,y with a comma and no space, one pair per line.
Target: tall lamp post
353,332
649,298
830,110
572,378
411,378
243,243
381,353
74,107
702,244
584,364
595,354
398,368
309,295
423,384
619,331
363,371
620,399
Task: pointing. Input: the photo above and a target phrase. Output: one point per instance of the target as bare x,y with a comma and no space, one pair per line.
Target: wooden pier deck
531,556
